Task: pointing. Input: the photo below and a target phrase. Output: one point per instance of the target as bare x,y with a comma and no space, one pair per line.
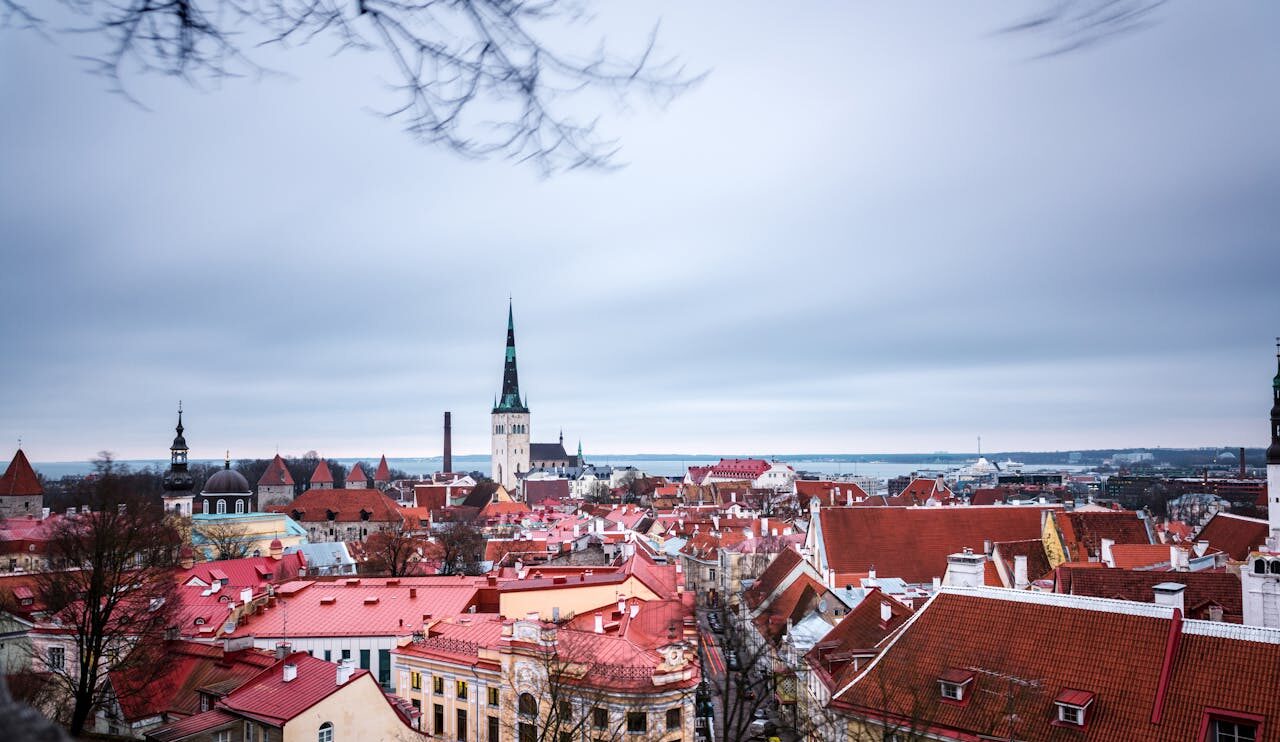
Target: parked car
731,660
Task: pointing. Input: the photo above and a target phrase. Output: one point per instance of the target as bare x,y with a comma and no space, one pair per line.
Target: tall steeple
510,400
178,479
1273,451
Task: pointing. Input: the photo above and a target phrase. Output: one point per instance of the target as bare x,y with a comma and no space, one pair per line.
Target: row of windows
637,721
221,507
516,429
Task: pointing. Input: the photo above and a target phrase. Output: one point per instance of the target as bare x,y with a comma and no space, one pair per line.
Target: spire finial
226,464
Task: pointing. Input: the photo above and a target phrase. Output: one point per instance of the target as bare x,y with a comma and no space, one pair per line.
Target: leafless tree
227,540
111,587
570,682
461,545
477,76
395,550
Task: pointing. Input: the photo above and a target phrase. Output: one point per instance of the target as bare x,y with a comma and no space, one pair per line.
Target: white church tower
1260,578
510,421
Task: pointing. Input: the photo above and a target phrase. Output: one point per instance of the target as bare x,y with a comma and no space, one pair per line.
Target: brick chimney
283,649
447,464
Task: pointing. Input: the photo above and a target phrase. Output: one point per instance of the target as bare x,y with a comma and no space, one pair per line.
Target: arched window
1260,567
528,705
1275,566
239,506
222,507
326,732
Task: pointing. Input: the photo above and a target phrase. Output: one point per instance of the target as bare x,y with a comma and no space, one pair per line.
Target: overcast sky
873,228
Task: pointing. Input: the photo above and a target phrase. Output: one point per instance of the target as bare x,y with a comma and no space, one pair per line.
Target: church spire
178,479
1273,451
510,400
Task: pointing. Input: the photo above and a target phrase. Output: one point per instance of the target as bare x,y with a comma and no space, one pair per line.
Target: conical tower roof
510,400
20,478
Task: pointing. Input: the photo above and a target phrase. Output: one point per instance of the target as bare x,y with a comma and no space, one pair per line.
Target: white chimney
345,668
290,672
965,569
1020,581
848,499
1202,547
622,605
937,584
1106,554
246,595
764,526
871,582
635,609
599,623
1170,594
886,612
1179,560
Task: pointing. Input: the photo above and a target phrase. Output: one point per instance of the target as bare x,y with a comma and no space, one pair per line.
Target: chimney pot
1170,594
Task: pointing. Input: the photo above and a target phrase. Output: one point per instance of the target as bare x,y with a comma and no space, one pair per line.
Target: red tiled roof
1234,534
1033,549
357,474
744,468
1157,688
191,725
363,607
383,472
913,543
1203,588
347,505
988,496
1131,556
792,604
189,666
276,475
1083,531
772,577
268,697
19,478
828,493
921,490
321,475
858,633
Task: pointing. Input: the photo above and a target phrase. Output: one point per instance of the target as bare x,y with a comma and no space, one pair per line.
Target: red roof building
854,641
982,663
829,493
911,543
1234,534
1208,595
356,478
382,475
20,490
342,515
276,475
321,478
1083,531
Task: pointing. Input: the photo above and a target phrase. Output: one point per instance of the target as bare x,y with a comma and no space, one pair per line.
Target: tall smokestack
447,464
1243,470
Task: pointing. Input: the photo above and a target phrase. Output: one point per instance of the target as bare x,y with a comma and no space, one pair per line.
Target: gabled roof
347,505
269,697
828,493
921,489
548,452
858,633
383,472
1234,534
19,478
276,475
321,475
357,474
772,577
1033,549
1204,589
789,607
1159,687
1083,531
188,668
913,542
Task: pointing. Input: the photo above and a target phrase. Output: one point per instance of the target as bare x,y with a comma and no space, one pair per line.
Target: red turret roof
322,474
20,478
276,475
383,474
357,474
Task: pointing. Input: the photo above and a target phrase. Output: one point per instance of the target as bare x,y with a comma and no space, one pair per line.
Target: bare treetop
476,76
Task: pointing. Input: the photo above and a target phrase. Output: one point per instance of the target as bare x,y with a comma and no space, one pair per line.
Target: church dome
226,482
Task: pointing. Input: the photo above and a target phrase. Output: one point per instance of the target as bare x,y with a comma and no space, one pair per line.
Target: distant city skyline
880,228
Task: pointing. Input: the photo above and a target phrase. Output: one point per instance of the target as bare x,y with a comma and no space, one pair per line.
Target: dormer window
1221,725
954,685
1073,707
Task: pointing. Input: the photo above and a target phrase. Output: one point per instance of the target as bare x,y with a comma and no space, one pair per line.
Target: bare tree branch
475,76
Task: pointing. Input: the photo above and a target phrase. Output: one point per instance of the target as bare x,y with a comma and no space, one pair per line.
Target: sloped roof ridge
1063,600
1237,631
1237,516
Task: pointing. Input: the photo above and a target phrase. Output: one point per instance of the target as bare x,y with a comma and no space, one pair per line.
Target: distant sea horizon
656,464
